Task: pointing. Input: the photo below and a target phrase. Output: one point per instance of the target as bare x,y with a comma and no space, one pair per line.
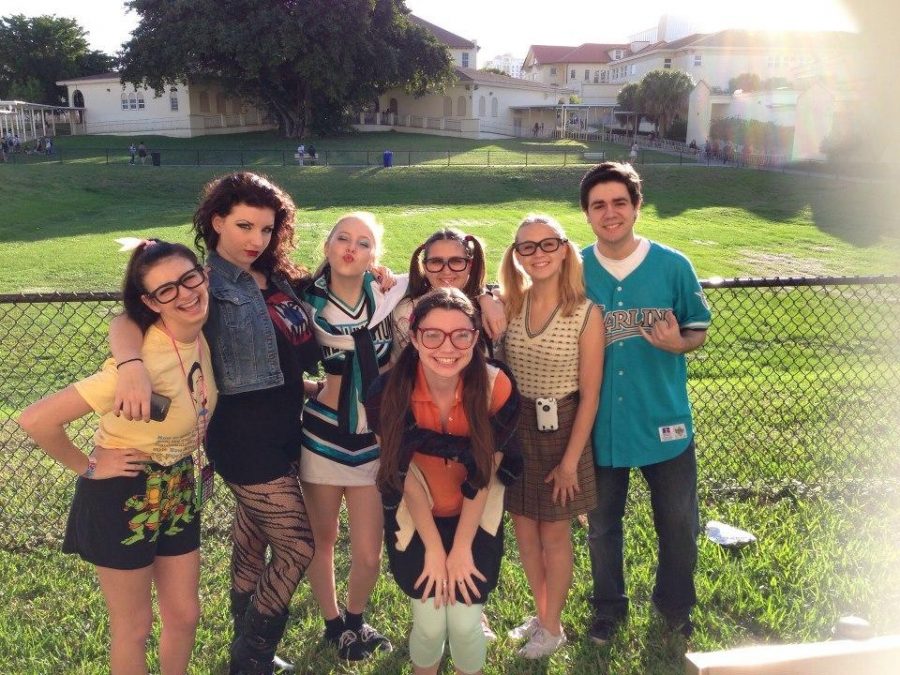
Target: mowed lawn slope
58,222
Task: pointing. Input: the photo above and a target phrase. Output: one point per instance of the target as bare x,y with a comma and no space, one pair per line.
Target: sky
501,27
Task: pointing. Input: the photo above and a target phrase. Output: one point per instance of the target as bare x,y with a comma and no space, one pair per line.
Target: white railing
144,126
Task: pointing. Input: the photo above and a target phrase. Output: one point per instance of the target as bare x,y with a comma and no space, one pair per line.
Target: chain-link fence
794,391
261,157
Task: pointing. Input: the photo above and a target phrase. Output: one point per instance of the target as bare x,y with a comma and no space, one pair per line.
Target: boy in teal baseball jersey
655,312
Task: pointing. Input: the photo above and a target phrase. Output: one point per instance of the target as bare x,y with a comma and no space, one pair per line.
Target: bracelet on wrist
136,358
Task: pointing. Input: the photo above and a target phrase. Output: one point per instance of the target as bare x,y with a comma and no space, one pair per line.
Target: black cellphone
159,406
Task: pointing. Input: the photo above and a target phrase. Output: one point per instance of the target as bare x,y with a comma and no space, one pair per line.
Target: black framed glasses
457,264
461,338
169,291
548,245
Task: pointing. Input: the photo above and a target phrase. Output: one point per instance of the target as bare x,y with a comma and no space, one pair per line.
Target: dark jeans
673,497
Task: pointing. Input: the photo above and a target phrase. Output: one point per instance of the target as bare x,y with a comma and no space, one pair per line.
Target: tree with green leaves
629,99
38,51
664,94
310,63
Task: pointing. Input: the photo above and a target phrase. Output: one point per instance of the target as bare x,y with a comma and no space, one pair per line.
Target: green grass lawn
59,221
776,373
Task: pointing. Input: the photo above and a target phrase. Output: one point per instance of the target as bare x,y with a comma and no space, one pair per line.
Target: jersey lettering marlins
644,415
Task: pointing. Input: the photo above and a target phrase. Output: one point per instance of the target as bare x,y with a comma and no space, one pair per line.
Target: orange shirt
445,477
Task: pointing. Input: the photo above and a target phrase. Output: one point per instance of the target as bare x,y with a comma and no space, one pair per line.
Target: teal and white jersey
644,415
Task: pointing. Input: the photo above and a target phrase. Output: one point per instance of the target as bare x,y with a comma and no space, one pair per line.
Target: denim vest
240,333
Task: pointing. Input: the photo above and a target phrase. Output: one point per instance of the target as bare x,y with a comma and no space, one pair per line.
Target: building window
604,76
572,74
587,75
553,70
140,100
667,63
124,101
596,76
448,106
698,60
617,54
495,106
132,101
203,100
465,59
482,106
461,106
173,99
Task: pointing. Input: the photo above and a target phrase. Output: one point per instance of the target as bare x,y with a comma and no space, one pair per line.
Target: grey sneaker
527,629
542,644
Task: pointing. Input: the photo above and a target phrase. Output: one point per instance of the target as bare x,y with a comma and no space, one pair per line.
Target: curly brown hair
222,194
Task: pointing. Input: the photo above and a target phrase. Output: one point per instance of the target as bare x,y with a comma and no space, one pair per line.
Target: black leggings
270,514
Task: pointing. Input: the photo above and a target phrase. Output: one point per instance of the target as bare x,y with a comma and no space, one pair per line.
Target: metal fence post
198,158
448,158
107,155
489,157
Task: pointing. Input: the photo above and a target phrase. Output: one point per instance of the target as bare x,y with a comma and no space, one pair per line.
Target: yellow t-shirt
175,437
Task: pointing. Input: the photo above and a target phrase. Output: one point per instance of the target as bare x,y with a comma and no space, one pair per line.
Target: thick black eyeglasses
168,292
456,264
461,338
548,245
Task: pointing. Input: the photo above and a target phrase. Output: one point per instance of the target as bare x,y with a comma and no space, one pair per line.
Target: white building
792,61
185,110
479,104
508,63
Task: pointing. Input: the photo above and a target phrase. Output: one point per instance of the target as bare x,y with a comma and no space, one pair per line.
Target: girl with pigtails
449,259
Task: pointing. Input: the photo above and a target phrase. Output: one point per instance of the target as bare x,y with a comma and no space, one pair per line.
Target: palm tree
663,94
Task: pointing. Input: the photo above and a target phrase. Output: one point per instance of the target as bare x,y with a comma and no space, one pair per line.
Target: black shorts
124,523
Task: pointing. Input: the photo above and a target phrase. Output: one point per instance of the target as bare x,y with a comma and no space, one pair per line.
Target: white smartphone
547,417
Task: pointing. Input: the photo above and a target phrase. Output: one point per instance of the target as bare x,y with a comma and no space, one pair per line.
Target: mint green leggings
459,624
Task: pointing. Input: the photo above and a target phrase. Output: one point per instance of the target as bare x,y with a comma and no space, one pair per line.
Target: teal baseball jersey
644,415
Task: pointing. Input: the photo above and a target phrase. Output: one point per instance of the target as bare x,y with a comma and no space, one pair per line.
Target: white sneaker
526,629
542,644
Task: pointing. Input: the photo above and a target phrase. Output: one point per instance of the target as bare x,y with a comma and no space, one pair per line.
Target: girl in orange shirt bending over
446,421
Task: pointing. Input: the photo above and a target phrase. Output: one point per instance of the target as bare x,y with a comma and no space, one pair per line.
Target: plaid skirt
530,496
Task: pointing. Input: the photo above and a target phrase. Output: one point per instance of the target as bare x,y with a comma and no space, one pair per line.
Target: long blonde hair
515,283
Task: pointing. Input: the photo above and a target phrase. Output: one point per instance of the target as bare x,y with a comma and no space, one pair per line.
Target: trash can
154,157
388,159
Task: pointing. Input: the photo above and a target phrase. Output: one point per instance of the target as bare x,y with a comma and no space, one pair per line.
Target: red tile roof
594,53
445,36
549,53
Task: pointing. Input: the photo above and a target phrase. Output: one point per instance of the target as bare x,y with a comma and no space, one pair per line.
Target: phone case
547,418
159,406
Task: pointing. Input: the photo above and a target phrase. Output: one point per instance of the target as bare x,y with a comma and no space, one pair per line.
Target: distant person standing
49,147
301,150
655,313
142,151
633,155
132,150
